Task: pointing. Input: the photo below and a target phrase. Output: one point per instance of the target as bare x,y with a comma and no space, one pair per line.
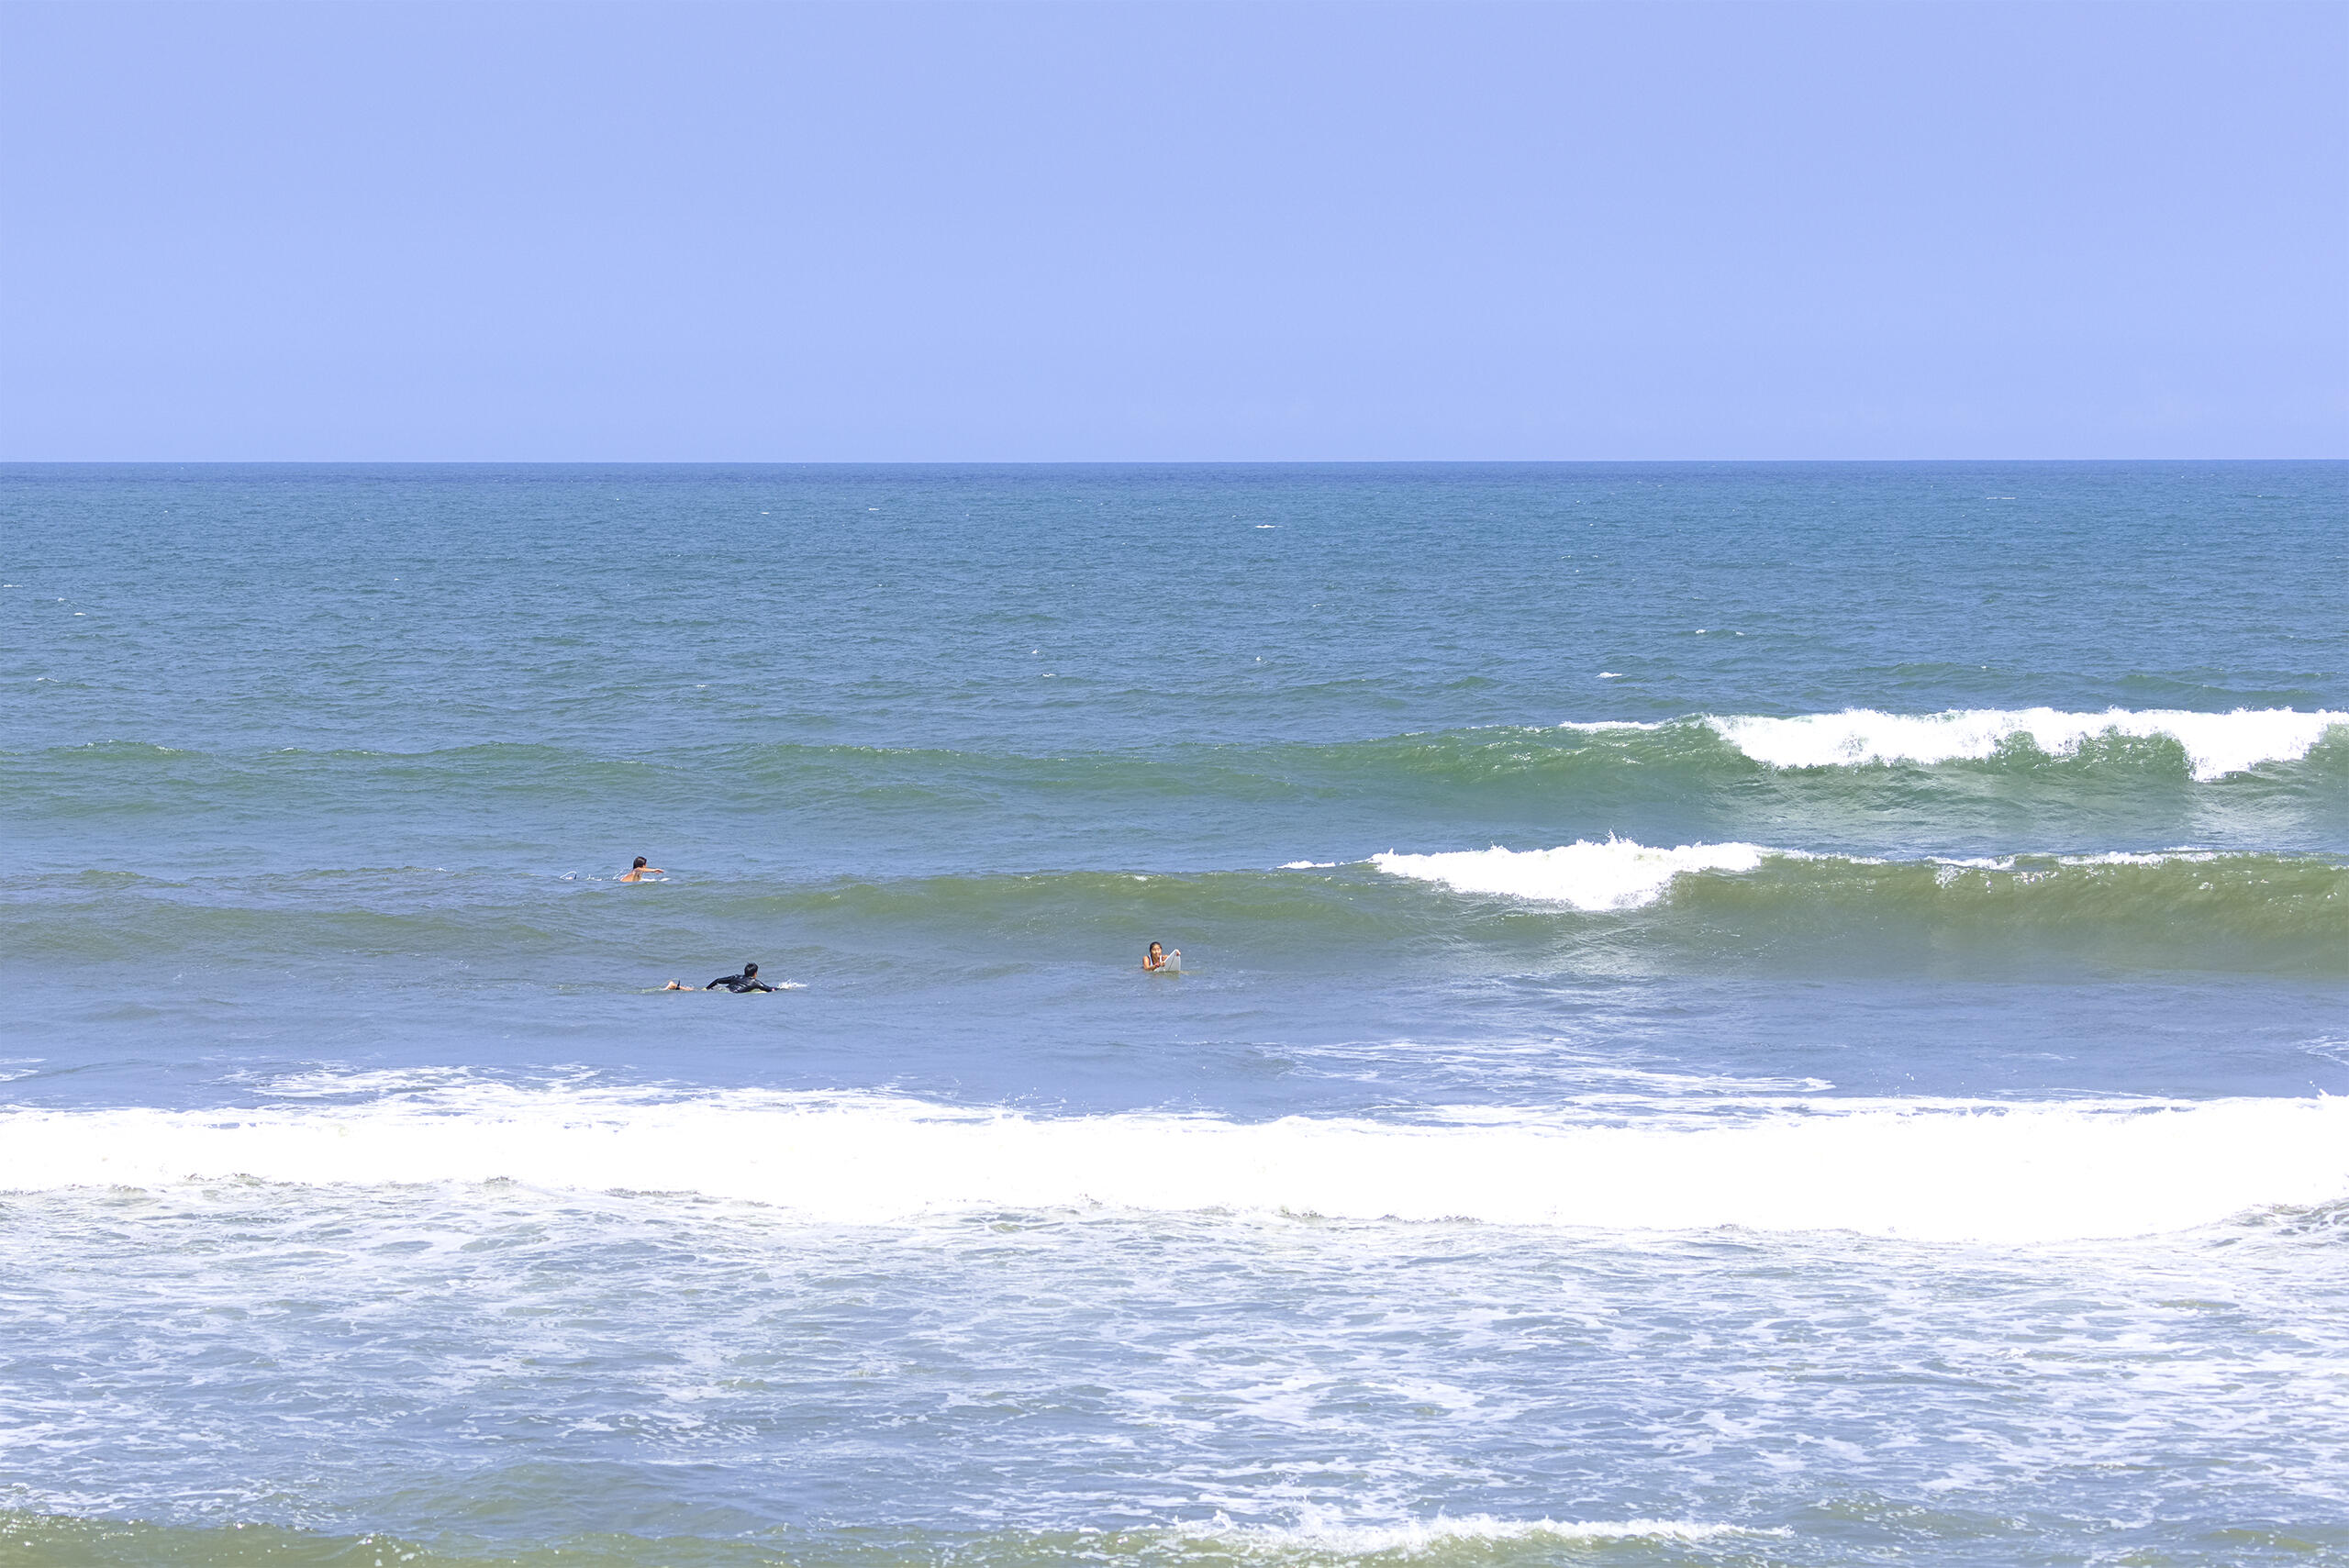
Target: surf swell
2180,907
1811,753
2187,908
2013,1173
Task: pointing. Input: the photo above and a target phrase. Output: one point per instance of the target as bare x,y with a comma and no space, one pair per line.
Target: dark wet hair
640,860
749,970
1153,944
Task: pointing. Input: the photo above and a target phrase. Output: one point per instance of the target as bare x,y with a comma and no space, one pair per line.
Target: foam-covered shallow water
474,1366
1730,1014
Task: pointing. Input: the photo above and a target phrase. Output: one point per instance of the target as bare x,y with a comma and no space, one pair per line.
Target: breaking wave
2189,908
1822,755
2216,744
1616,874
2183,907
2018,1172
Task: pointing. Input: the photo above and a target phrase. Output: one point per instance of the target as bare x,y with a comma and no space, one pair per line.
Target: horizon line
1110,462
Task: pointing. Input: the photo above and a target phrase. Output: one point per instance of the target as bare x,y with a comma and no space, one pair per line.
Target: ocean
1730,1014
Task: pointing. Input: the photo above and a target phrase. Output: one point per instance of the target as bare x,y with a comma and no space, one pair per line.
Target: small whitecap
1587,874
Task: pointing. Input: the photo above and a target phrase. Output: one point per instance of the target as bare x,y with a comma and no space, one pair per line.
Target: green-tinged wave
1685,758
1587,904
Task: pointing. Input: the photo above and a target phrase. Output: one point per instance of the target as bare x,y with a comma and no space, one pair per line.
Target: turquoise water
1739,1013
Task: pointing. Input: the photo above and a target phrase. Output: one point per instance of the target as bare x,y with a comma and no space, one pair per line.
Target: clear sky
963,231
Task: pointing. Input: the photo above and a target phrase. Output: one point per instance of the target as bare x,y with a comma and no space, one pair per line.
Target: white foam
1321,1534
2129,858
1616,874
2016,1173
2216,744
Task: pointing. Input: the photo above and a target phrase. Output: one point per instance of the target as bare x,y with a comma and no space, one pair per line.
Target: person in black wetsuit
746,980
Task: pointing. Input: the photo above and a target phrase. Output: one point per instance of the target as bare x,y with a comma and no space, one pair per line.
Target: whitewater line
2028,1172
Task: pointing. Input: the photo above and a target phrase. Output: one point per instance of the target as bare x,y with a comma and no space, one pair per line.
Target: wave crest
1615,875
2216,744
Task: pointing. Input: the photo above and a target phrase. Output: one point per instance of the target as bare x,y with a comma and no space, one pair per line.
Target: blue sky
1100,231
